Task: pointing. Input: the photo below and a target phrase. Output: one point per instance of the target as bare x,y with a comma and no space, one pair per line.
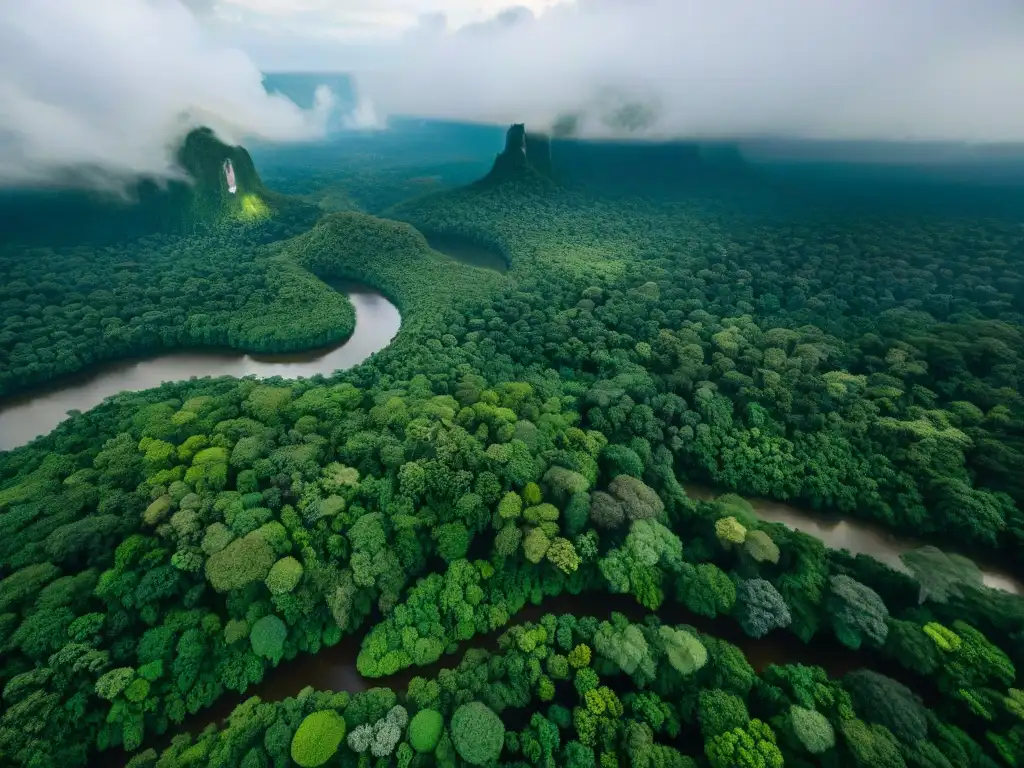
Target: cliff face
30,216
224,180
527,156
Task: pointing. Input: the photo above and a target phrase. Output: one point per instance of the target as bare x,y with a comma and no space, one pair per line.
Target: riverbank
334,668
858,537
24,418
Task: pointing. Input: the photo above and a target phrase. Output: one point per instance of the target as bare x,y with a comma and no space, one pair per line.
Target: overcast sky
112,84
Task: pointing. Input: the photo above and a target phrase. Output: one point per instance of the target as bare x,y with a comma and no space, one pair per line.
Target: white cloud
107,89
112,85
913,69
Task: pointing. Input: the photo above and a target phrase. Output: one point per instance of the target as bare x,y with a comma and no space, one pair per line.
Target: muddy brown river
28,416
377,322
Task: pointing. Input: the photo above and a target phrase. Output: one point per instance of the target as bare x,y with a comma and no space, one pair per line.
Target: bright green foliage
535,545
284,576
507,540
137,690
945,639
563,555
317,739
545,689
557,666
452,541
729,531
719,712
585,680
638,567
579,656
157,510
425,730
685,652
760,547
477,733
565,483
738,507
625,645
114,682
869,365
540,514
705,589
1014,702
217,537
750,747
812,729
267,637
235,630
977,662
241,562
531,494
511,506
622,460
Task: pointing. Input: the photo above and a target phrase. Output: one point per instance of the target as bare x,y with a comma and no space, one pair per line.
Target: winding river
24,418
377,323
839,532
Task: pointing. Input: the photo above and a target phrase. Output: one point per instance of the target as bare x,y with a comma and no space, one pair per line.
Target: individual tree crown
477,733
317,739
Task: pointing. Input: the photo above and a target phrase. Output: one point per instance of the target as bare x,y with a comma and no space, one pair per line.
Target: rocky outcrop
526,157
147,206
209,198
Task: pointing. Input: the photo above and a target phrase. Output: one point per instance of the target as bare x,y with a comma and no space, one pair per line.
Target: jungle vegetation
527,435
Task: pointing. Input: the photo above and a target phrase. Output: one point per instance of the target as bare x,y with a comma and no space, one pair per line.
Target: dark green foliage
241,562
130,299
857,612
525,436
760,608
268,636
882,700
478,733
871,746
719,712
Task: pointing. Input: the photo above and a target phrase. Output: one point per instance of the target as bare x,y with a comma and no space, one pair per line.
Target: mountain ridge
147,206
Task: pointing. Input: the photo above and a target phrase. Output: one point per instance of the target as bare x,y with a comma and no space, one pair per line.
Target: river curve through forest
334,668
24,418
856,536
377,323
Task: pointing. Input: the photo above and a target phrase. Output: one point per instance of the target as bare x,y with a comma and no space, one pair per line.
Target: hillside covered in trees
521,449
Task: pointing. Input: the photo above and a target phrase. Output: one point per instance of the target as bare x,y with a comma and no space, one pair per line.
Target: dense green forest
526,436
